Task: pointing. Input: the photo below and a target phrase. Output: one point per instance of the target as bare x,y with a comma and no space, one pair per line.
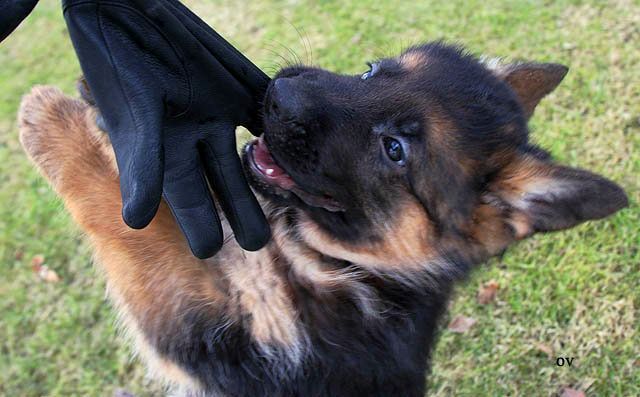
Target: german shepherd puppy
381,191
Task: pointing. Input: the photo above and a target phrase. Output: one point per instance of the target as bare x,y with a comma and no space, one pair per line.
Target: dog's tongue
268,167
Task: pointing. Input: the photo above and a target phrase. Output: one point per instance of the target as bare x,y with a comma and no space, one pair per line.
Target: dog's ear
531,81
540,196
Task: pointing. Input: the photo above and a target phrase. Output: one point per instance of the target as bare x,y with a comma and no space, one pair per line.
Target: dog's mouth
265,168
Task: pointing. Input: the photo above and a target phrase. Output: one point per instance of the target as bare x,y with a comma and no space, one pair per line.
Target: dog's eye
394,150
373,68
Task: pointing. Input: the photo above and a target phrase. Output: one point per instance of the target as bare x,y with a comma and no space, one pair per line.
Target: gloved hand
12,12
171,92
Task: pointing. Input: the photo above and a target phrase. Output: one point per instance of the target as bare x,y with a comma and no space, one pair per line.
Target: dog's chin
271,179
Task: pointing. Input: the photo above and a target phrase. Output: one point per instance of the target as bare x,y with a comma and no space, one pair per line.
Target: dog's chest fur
300,324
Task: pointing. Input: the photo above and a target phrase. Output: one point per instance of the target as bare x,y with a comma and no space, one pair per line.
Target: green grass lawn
575,292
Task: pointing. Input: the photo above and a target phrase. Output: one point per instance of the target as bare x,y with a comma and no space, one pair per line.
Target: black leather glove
171,92
12,12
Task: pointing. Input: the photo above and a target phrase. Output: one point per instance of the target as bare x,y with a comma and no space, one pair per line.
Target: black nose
287,99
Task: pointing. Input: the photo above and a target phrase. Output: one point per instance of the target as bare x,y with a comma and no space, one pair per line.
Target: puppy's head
422,162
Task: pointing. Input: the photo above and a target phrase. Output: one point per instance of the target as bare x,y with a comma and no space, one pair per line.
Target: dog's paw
53,130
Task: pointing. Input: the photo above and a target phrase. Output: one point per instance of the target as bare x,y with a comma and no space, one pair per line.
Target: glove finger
224,170
141,165
188,196
138,149
129,100
13,12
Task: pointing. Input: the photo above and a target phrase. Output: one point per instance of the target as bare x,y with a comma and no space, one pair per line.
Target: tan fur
403,246
524,175
490,230
413,60
494,229
309,269
262,294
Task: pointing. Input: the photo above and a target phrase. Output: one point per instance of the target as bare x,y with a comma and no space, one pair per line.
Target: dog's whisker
296,60
284,61
304,39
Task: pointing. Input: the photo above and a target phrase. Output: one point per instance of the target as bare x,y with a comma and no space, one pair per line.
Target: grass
575,291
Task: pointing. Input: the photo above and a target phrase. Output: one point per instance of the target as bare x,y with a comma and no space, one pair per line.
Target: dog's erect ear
541,196
531,81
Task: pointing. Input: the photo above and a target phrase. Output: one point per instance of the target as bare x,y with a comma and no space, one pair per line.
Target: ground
571,294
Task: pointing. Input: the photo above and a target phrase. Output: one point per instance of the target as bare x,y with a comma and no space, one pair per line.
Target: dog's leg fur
143,267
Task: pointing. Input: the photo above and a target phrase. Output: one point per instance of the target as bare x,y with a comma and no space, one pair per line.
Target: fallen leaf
487,292
569,392
461,324
46,274
36,262
546,349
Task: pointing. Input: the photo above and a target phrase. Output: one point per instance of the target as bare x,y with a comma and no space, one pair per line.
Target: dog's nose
286,99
